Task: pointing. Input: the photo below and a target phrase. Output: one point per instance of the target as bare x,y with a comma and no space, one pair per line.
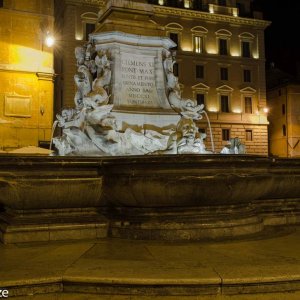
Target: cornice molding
26,69
98,3
46,76
186,13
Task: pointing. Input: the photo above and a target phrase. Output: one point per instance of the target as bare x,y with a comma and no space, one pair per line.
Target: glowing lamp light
265,110
212,109
186,48
211,50
237,110
49,41
234,53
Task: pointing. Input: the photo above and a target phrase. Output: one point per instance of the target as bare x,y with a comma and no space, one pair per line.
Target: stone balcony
223,10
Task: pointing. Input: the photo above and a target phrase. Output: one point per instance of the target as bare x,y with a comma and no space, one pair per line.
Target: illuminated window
224,103
223,50
200,99
248,135
245,49
89,28
198,44
225,134
224,73
187,3
175,38
247,75
248,105
199,72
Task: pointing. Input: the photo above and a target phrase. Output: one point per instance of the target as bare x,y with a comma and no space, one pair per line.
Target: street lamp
49,40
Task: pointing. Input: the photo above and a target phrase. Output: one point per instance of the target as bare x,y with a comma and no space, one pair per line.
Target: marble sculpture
91,129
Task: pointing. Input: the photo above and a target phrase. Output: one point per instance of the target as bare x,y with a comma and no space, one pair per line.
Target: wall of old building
210,28
71,19
284,120
188,23
26,73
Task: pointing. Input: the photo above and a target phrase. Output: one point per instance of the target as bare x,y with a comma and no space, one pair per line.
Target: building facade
220,60
26,73
283,98
74,21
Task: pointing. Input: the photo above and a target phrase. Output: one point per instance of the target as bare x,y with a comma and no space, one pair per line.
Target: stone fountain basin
182,181
31,183
198,180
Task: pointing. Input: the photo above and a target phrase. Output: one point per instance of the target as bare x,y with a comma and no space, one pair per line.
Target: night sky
282,38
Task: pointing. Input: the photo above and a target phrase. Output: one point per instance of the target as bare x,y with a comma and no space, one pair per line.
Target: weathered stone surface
186,197
114,268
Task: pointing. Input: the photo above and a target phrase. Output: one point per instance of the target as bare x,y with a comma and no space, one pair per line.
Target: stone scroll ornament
91,129
189,140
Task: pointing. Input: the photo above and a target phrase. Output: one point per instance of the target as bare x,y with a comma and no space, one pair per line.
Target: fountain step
125,269
192,223
51,225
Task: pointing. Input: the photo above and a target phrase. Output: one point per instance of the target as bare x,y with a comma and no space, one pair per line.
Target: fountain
132,164
126,102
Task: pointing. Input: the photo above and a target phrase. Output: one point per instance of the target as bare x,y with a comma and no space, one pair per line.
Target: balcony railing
212,8
223,10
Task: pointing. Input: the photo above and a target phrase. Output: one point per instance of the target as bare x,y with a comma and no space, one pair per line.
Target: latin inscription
138,80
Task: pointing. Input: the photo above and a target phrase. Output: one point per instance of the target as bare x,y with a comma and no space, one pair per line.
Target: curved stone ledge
213,187
178,224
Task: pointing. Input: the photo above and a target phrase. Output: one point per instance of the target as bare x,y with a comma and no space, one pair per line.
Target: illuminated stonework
26,74
199,35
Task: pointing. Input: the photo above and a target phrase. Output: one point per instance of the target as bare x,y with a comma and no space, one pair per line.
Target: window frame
246,52
198,48
247,75
190,4
203,98
247,106
197,67
225,134
86,32
224,73
248,135
227,106
223,50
